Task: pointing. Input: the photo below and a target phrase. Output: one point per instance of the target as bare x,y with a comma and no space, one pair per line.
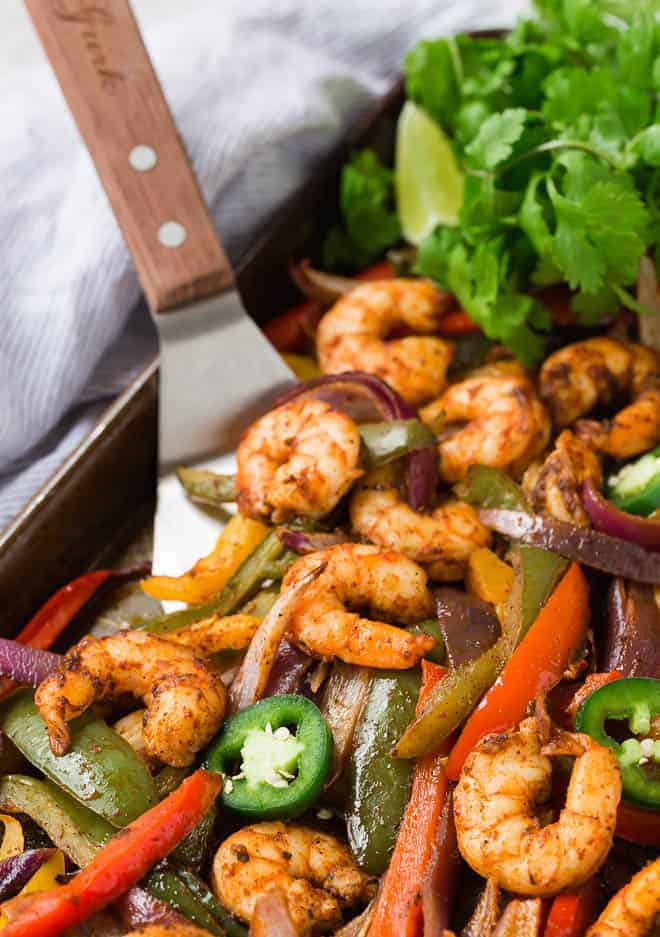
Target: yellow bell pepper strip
536,665
119,865
12,839
269,561
398,910
488,577
303,366
239,538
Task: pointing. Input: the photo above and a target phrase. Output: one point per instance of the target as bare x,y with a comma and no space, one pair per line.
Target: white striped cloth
259,90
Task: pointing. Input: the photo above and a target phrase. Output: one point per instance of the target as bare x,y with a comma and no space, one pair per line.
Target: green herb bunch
557,128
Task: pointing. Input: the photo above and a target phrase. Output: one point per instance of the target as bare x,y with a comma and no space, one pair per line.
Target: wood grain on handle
97,53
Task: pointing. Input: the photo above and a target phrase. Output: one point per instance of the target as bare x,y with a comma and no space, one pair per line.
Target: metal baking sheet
101,497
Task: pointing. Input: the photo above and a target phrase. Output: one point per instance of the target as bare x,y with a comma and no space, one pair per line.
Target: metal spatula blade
217,369
217,373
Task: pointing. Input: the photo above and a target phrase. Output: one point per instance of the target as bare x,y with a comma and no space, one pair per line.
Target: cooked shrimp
315,871
506,423
441,540
361,576
185,702
634,910
217,633
352,336
598,371
555,488
297,460
504,778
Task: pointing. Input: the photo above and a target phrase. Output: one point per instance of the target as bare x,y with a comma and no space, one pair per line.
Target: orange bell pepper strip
637,825
56,615
535,666
118,866
398,911
572,913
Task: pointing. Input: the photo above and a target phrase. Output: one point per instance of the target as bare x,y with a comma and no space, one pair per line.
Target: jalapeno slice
636,699
275,756
636,487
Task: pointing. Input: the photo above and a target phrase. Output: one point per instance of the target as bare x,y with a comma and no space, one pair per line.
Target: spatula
217,370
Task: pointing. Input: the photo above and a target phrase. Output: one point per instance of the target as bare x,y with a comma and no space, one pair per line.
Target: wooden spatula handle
112,90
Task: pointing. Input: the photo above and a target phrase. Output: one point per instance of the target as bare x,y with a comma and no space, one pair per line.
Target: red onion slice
303,541
617,523
26,664
16,871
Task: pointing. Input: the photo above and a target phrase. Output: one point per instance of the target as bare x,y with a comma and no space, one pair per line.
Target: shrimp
185,702
633,911
361,576
555,487
503,779
352,336
506,424
298,460
579,377
217,633
315,871
441,540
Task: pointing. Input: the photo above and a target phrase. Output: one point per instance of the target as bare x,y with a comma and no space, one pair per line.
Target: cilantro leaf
371,224
496,138
600,237
431,80
647,145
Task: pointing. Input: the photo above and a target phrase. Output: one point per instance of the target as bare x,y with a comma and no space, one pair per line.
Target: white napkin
260,89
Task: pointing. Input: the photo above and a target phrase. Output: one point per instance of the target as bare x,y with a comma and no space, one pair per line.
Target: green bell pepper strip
451,701
387,441
537,572
74,829
453,698
206,487
269,561
438,653
278,773
100,769
491,488
636,699
375,777
635,488
193,850
164,883
231,926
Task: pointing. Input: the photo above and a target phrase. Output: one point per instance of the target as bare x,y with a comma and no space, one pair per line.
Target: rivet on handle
143,157
172,234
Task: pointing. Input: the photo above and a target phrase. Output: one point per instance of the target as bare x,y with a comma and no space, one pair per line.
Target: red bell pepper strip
573,912
293,328
56,614
398,911
118,866
535,666
457,322
636,825
383,270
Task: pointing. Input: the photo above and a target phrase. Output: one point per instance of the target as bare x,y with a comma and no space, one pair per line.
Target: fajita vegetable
460,493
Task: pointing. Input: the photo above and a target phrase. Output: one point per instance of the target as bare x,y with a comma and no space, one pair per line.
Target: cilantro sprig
557,128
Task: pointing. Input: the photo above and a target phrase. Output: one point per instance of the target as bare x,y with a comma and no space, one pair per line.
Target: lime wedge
429,183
